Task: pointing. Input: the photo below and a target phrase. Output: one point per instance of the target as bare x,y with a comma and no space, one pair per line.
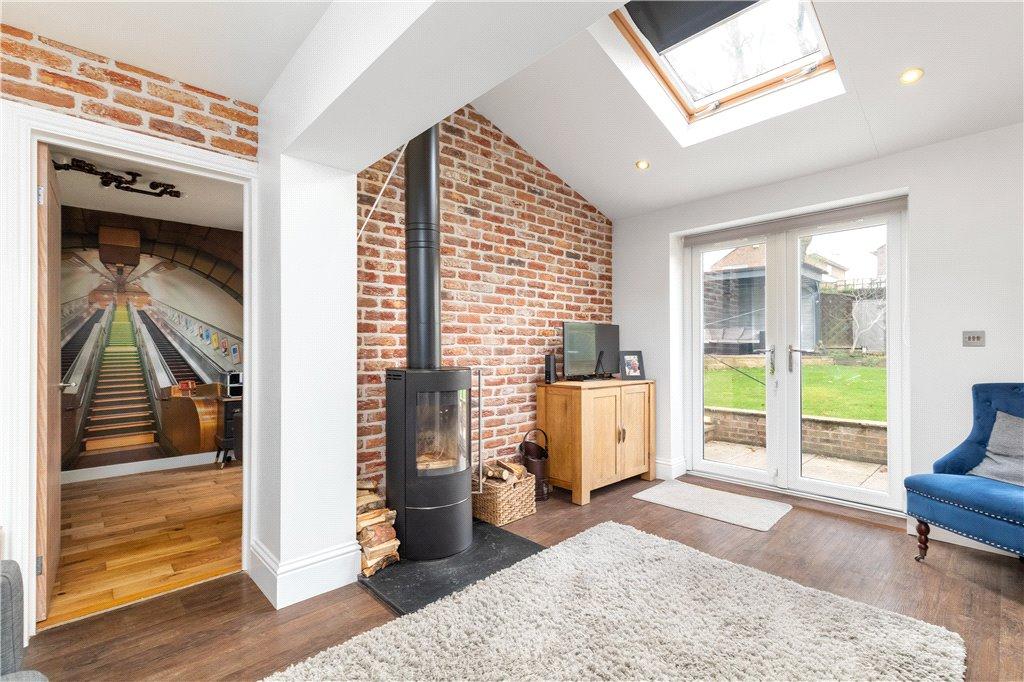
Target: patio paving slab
833,469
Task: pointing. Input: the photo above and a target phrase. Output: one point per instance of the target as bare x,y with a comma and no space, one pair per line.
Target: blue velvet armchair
982,509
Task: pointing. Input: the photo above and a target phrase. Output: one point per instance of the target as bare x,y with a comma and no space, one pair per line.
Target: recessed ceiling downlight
642,164
911,75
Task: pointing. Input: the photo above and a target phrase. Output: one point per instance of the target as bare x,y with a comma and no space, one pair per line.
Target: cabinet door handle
623,434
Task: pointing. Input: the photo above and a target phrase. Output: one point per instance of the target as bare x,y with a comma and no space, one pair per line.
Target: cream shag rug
614,603
739,510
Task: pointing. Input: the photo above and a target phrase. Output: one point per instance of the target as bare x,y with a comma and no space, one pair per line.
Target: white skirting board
94,473
668,469
293,581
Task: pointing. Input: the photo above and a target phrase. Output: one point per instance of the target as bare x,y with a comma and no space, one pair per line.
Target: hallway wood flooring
226,629
127,538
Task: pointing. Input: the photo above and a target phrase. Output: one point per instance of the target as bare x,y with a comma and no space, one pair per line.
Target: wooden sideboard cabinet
599,432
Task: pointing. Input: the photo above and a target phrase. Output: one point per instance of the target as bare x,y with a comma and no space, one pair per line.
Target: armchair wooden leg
922,540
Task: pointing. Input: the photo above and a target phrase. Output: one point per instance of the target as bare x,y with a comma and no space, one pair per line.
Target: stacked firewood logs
503,473
375,529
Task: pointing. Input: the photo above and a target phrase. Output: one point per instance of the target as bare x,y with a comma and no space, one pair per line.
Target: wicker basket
502,504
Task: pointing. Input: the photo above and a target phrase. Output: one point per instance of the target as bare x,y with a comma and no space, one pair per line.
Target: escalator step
117,427
113,418
118,395
127,404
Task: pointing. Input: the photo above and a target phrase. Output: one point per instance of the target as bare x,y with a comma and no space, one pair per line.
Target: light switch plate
974,338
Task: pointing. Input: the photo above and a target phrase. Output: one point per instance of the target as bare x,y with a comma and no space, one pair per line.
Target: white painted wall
318,387
965,246
303,527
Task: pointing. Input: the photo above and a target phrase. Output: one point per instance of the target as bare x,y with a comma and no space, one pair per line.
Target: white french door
796,329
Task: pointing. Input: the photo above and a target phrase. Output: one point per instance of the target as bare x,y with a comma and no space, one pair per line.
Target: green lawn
843,391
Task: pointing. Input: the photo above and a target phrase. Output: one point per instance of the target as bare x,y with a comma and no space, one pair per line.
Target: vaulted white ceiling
579,115
235,48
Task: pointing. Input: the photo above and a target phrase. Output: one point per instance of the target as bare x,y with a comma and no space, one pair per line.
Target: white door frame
782,309
21,128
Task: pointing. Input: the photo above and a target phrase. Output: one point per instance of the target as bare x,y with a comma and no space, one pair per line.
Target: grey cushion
12,613
1004,456
25,676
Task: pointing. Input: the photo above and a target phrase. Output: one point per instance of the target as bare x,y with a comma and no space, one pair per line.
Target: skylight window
708,65
770,39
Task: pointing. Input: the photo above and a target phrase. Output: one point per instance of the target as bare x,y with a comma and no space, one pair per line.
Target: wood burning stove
428,406
428,451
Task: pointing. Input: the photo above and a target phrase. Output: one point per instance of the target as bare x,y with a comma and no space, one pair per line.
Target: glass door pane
734,362
841,358
442,446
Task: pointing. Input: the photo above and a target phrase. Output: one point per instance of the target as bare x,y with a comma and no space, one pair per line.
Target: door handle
768,352
71,385
798,350
623,434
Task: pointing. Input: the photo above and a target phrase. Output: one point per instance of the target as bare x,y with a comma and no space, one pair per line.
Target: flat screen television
590,351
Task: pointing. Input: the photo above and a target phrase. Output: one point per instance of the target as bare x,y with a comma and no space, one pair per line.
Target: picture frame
631,365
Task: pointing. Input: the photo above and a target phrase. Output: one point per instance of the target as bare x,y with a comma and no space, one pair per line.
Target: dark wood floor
225,629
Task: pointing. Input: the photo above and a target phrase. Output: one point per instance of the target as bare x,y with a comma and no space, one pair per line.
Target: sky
852,248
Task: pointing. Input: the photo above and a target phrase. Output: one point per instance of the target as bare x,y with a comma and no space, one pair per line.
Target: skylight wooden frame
691,113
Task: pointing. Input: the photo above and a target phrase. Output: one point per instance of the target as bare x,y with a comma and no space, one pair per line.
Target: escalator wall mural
152,338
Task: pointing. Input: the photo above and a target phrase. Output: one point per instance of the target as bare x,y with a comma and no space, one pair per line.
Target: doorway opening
795,345
141,343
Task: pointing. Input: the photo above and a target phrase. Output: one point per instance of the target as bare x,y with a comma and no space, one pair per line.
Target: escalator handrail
201,364
66,335
151,353
79,372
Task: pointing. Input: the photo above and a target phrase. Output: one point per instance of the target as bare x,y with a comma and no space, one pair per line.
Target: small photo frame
631,365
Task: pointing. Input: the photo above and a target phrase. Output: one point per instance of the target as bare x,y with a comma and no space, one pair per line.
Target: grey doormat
410,585
739,510
614,603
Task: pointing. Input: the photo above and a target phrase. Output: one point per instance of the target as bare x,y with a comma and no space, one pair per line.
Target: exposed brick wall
47,73
521,252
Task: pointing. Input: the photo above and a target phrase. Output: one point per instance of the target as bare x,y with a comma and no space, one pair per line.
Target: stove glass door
442,442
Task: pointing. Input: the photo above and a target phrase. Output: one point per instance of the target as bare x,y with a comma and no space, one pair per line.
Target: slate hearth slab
410,585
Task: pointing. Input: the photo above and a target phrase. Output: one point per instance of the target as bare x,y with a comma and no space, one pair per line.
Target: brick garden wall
863,441
521,252
50,74
735,426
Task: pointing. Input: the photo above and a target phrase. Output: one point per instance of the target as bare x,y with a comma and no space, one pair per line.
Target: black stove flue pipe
423,251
